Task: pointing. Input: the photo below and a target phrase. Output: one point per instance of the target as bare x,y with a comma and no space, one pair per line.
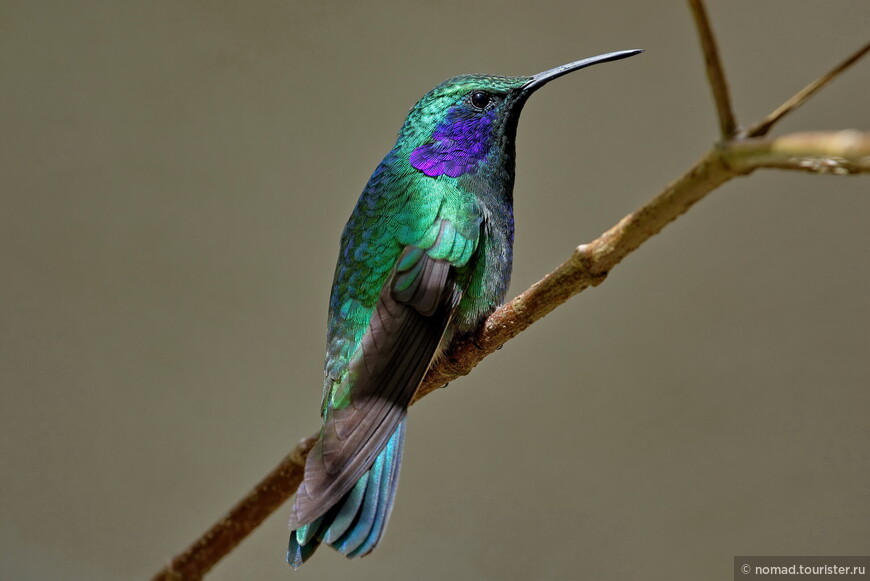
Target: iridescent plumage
425,255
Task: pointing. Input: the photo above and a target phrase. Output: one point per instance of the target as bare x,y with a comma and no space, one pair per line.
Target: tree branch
842,152
838,152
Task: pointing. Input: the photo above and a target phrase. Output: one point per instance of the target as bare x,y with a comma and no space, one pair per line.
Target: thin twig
715,70
588,266
765,125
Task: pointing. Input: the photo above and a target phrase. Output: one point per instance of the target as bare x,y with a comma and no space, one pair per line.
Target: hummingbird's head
470,120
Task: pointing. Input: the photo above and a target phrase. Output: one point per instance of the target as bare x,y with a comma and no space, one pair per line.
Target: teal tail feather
355,524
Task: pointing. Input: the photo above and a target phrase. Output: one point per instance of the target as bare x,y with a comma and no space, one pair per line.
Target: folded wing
407,325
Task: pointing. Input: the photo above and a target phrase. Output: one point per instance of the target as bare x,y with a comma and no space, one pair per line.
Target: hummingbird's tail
355,524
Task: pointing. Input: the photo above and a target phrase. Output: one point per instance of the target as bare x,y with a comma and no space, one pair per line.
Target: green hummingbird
425,257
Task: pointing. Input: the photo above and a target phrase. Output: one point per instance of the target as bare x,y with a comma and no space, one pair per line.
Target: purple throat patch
458,146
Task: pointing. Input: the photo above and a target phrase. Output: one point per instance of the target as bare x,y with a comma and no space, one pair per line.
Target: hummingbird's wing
406,327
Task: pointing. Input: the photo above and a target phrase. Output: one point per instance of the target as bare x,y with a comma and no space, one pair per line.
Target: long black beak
542,79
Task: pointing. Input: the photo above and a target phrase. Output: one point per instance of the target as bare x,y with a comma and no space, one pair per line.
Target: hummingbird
425,256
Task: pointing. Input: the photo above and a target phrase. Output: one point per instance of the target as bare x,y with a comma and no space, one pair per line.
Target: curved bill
542,79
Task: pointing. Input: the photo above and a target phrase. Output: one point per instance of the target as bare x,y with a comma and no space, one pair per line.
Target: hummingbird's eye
480,99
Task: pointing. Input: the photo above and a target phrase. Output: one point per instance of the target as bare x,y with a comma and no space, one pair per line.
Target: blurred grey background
175,176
